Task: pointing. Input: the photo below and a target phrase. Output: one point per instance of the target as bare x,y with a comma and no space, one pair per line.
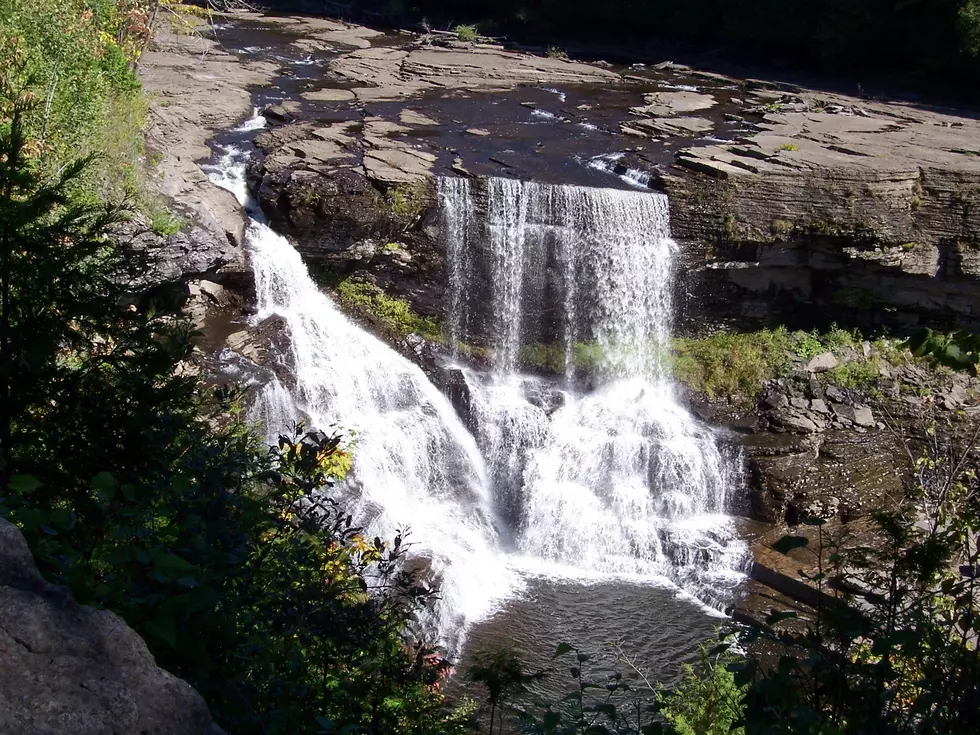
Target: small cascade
611,163
601,470
416,467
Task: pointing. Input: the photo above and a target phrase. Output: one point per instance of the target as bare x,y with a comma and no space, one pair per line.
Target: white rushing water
597,474
416,466
604,472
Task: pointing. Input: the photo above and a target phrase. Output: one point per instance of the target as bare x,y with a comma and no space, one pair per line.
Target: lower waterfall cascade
588,477
615,477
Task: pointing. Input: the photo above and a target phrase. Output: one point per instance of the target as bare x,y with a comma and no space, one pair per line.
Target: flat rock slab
666,104
321,29
196,90
817,131
329,95
394,73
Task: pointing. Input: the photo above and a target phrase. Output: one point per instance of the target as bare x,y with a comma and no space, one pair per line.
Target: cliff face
858,212
65,668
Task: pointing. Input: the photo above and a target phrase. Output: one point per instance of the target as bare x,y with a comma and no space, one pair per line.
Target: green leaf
787,543
562,649
104,481
23,484
164,629
167,562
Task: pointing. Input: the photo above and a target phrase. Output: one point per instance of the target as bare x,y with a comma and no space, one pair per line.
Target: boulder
65,668
822,363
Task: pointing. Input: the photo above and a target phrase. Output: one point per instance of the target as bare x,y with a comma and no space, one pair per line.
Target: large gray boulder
66,669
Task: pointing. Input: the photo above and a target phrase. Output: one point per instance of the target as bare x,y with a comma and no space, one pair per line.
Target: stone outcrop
869,211
356,197
387,73
65,668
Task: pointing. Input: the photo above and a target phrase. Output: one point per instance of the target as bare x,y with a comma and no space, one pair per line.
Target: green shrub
466,33
788,147
162,222
707,701
405,201
394,315
731,364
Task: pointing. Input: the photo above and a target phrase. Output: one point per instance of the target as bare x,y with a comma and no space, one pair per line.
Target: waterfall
597,472
601,470
416,467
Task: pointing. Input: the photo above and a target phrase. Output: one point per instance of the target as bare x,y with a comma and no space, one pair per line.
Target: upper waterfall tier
587,270
617,478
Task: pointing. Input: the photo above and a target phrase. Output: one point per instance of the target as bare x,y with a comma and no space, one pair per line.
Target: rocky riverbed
791,206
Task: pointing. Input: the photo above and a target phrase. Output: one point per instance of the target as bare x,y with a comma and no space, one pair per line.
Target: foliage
393,315
466,33
148,495
79,58
788,147
707,702
737,364
405,201
163,222
957,349
892,645
556,52
732,364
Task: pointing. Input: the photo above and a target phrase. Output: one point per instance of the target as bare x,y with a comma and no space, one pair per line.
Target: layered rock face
868,211
65,668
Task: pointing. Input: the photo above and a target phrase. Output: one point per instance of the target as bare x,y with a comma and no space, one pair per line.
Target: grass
781,227
467,33
163,222
554,52
736,365
393,315
788,147
405,201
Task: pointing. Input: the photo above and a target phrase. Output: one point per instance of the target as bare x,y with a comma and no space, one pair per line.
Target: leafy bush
393,315
466,33
957,349
707,702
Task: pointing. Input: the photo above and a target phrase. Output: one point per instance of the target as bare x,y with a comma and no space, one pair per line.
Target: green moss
162,222
394,315
781,227
405,201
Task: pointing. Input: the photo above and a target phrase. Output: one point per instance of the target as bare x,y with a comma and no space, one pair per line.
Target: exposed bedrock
869,213
355,199
73,669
